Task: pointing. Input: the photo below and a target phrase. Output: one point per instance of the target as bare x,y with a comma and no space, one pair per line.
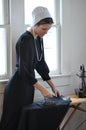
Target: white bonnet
39,13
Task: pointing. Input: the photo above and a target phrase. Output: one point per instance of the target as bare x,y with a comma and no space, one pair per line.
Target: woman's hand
56,91
47,93
53,87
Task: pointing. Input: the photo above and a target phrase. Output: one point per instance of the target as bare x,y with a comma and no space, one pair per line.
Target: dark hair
48,20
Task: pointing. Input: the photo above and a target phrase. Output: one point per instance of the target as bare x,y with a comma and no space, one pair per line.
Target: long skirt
18,93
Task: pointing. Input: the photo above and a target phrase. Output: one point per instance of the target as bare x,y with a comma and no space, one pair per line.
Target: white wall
73,36
74,47
73,31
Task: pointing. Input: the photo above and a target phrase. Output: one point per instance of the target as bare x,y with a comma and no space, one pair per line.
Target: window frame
12,37
58,29
7,26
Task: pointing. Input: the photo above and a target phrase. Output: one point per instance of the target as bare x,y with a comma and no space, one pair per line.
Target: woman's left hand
56,91
54,88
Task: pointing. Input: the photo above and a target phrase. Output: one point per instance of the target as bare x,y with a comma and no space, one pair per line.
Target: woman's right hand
44,91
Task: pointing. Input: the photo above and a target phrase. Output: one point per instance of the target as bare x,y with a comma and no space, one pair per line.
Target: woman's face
41,30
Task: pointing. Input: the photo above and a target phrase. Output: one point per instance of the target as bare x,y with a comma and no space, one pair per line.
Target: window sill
38,77
56,76
3,81
61,75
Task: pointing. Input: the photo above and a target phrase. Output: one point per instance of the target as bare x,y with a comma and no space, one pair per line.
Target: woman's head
42,20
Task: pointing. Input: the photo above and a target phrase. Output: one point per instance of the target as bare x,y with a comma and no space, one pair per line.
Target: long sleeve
43,70
41,66
25,57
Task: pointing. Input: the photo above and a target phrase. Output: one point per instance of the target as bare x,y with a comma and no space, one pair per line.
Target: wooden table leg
71,115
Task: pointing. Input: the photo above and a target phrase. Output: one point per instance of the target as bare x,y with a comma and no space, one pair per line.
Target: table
75,104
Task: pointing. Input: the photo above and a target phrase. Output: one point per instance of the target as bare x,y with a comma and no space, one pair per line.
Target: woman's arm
43,90
53,87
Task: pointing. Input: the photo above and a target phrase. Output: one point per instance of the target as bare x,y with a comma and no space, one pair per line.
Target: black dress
19,90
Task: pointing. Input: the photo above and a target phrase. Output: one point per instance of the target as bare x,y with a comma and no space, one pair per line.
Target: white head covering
39,13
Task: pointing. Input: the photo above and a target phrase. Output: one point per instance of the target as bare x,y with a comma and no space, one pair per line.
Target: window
4,39
52,39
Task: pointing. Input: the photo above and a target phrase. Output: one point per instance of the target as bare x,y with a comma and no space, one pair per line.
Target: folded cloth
55,101
46,114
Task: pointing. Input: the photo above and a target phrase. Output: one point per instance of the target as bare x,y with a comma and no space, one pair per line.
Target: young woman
19,90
